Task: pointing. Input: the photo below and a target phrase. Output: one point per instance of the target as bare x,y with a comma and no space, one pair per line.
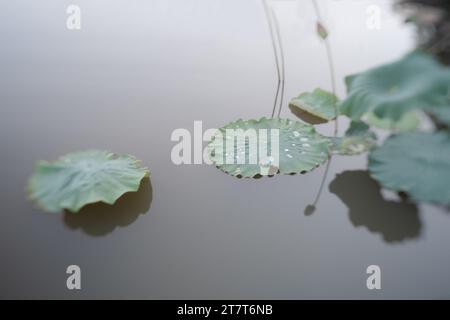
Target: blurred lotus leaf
417,164
358,139
442,115
417,81
407,123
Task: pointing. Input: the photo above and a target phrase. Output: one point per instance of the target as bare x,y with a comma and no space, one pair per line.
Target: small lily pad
417,164
267,147
82,178
315,107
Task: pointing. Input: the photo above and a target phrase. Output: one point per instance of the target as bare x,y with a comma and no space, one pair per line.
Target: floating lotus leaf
358,139
407,123
417,164
315,107
417,81
249,148
82,178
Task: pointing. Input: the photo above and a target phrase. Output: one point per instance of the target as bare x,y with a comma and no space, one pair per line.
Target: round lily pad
417,164
253,147
82,178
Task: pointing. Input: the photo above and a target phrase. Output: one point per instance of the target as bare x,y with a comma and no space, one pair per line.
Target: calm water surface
136,71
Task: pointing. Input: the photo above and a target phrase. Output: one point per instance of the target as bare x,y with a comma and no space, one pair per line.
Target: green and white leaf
358,139
417,164
82,178
315,107
417,81
407,123
300,148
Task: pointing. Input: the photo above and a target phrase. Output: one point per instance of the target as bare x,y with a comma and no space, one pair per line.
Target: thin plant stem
283,70
276,98
333,85
322,183
333,88
275,51
330,66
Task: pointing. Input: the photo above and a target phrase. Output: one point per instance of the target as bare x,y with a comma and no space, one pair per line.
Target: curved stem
333,85
333,88
330,66
276,99
280,45
322,183
275,51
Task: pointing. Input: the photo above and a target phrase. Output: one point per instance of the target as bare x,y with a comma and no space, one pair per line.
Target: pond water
138,70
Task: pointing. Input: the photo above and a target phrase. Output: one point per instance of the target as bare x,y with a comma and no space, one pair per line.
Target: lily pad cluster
392,97
409,162
82,178
388,97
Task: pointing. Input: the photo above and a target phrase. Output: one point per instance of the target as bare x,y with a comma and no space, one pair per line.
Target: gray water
136,71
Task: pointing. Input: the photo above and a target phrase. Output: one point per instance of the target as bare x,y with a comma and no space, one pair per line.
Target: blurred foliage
417,164
388,97
432,18
417,81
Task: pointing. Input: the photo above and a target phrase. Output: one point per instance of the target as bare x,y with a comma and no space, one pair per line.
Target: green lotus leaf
353,145
417,164
417,81
407,123
315,107
358,139
82,178
357,128
442,114
267,147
